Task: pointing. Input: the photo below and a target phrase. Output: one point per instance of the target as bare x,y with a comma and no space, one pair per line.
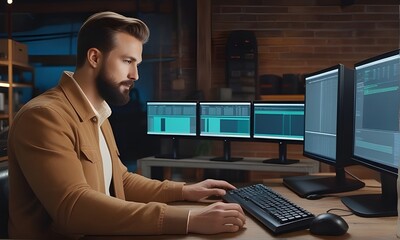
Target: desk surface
250,164
359,228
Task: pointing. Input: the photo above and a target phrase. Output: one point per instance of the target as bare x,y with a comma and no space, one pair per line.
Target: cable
358,179
353,176
368,186
319,196
348,212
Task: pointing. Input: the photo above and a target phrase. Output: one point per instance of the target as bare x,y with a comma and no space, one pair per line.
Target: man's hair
99,29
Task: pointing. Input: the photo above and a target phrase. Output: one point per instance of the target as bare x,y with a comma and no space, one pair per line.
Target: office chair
4,201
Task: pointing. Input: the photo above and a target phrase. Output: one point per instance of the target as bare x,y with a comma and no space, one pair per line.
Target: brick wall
301,36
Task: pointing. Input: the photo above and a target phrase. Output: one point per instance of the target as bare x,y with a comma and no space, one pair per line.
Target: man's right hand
217,218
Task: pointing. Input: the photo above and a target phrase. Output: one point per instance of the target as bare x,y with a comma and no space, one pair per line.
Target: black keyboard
270,208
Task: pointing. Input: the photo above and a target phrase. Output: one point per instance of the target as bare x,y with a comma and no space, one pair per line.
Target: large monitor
174,119
376,131
227,121
281,122
327,137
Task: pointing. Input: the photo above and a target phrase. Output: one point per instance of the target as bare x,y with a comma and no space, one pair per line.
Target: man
66,179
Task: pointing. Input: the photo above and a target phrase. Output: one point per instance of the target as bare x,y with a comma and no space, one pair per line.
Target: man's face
119,71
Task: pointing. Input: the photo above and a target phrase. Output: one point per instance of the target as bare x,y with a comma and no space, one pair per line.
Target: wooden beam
204,47
76,7
165,6
70,60
53,60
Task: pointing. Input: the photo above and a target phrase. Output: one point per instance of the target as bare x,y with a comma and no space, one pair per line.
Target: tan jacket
57,182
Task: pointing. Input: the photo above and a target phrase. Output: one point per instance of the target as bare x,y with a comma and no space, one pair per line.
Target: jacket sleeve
44,143
141,189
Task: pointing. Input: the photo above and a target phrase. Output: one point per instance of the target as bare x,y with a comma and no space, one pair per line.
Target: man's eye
128,61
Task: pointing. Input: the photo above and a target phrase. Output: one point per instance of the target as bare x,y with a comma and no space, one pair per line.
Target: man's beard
110,91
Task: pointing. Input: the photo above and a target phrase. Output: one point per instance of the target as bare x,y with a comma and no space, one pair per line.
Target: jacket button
94,119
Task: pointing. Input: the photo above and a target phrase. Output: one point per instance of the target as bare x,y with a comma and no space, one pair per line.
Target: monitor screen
376,142
172,118
327,131
321,114
278,121
225,119
281,122
377,104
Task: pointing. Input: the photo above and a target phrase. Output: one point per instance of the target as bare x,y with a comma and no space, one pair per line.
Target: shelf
283,97
21,66
5,84
14,71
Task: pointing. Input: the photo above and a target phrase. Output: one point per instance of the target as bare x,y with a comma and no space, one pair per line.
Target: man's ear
93,57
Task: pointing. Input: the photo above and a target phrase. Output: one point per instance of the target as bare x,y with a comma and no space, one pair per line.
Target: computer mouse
328,224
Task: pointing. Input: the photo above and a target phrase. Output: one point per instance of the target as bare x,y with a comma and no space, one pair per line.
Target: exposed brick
376,17
314,9
302,36
265,9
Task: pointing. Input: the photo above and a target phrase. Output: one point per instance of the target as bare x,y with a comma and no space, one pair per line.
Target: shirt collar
104,110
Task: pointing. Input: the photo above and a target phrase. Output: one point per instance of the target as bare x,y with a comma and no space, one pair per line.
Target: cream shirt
102,114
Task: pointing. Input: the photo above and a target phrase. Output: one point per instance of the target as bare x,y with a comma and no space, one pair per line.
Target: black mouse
328,224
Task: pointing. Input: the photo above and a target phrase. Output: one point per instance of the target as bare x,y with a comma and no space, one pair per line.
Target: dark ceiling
48,6
28,15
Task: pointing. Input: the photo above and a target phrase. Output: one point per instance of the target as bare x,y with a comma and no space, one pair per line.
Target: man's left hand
196,192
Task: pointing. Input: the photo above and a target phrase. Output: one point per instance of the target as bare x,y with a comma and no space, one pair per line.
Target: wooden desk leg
144,169
199,174
167,172
248,176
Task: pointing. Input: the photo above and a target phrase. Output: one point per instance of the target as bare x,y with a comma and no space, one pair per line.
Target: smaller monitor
281,122
172,119
227,121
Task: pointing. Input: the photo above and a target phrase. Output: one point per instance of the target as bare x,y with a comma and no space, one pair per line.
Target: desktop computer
376,132
327,131
227,121
281,122
173,119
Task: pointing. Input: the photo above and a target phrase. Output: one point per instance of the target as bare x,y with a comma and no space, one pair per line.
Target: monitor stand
320,185
227,154
282,156
376,205
175,151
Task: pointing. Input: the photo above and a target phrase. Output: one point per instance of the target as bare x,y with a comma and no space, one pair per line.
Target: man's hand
216,218
206,188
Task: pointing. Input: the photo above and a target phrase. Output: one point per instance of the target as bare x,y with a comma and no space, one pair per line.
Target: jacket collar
104,110
76,97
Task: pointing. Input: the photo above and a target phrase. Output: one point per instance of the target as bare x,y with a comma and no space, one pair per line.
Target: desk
250,164
359,228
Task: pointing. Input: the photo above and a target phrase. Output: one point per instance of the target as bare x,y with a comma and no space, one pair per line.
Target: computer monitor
281,122
327,131
376,131
174,119
227,121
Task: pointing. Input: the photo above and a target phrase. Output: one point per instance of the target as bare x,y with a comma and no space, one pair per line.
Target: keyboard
273,210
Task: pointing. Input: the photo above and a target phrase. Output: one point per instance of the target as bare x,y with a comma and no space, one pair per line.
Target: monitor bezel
358,159
274,140
173,135
228,138
339,162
